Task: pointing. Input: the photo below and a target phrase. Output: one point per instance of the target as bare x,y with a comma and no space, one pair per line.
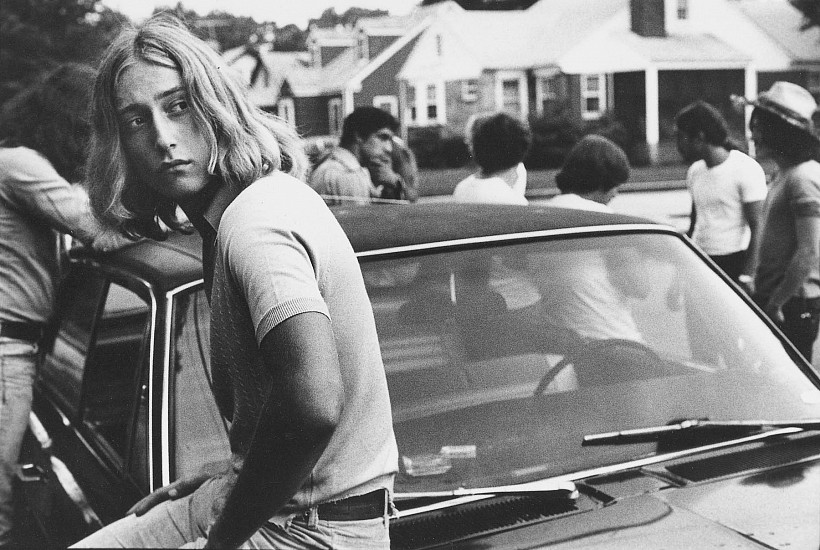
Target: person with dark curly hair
498,143
44,131
591,174
589,296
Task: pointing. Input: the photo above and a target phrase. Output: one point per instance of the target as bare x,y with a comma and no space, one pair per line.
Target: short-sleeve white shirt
718,194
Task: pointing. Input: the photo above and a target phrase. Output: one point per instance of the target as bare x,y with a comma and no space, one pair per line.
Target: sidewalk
541,183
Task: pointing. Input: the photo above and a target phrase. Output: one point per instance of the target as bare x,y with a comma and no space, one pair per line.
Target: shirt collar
214,208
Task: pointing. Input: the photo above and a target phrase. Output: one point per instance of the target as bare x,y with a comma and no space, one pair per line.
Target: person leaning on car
367,140
787,280
43,134
294,358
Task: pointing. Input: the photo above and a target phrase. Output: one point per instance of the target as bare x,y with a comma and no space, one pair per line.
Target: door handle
31,472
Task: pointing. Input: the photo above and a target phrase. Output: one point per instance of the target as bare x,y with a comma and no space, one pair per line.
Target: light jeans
18,361
184,523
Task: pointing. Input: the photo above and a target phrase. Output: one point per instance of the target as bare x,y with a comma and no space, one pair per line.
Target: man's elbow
322,416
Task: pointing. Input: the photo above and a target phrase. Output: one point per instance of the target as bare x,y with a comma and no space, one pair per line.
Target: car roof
177,260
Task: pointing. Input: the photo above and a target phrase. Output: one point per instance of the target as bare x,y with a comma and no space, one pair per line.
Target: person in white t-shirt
498,143
728,189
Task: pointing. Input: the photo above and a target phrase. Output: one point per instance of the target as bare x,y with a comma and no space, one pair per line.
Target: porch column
749,92
652,121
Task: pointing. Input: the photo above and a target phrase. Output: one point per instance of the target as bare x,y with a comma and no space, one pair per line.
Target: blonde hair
245,142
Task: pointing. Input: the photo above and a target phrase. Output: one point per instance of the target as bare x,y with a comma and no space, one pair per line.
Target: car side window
200,431
64,363
112,380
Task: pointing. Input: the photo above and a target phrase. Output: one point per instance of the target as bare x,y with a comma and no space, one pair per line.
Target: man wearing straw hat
787,280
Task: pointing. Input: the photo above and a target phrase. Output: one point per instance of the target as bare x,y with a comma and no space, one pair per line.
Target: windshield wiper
549,487
728,427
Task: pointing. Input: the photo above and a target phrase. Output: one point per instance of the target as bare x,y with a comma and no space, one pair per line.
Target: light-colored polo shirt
340,179
280,252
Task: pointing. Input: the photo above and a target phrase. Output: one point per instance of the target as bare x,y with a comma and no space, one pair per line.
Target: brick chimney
648,17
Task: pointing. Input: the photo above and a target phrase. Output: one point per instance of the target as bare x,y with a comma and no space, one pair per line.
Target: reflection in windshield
499,360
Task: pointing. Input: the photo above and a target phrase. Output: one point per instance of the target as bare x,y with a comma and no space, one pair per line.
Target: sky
281,12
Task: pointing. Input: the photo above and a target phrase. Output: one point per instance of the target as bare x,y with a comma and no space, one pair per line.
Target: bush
556,131
434,148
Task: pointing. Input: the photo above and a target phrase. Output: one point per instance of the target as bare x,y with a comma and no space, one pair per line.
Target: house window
412,112
287,110
387,103
549,91
593,96
469,91
683,9
432,103
511,96
362,46
335,116
439,46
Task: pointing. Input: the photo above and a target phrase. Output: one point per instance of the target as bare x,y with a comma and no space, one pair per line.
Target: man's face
163,143
761,151
377,147
686,147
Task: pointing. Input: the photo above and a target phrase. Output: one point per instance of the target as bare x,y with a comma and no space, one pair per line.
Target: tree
36,35
330,18
810,10
488,4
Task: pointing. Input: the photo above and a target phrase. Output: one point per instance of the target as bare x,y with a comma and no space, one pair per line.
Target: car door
84,459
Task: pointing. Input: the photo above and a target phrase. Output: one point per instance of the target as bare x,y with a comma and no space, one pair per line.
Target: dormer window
439,46
683,10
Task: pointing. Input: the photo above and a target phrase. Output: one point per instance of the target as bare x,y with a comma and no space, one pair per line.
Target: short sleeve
272,267
804,195
753,183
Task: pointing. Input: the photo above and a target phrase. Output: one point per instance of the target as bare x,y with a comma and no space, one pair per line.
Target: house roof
782,22
277,66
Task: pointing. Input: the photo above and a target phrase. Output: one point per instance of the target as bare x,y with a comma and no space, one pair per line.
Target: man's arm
297,421
752,211
806,257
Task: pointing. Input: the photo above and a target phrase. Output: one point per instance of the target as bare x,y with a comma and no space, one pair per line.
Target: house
637,61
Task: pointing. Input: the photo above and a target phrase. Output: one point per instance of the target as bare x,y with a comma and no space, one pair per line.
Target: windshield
501,359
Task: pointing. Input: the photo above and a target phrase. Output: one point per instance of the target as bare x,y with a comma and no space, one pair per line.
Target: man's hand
178,489
110,240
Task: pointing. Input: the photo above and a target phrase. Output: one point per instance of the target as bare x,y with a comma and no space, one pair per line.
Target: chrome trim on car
151,340
63,474
165,427
603,229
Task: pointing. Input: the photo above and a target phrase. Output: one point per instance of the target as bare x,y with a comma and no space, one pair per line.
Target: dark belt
30,332
369,506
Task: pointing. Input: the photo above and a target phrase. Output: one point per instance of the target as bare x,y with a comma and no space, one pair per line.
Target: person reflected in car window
587,291
498,143
314,455
43,134
341,175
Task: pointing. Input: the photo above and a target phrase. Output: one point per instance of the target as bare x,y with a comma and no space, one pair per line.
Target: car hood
772,508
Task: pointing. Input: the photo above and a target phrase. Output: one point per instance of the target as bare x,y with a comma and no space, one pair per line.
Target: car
558,378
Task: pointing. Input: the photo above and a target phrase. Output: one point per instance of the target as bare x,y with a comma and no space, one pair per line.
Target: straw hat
790,102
